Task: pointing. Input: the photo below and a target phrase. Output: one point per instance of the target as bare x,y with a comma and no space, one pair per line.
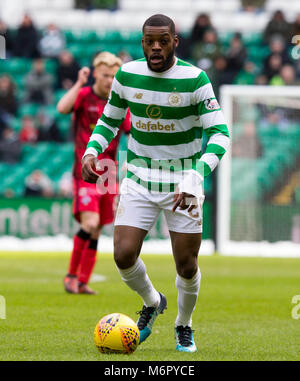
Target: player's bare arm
65,105
88,172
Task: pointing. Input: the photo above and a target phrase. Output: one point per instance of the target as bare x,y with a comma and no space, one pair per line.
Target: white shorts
140,208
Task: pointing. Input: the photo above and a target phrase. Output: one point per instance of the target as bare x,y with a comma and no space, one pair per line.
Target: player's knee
187,273
91,226
187,268
124,256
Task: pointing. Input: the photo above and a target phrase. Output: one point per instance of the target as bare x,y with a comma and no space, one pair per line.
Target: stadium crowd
225,64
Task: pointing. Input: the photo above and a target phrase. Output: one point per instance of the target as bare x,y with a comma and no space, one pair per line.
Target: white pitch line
96,278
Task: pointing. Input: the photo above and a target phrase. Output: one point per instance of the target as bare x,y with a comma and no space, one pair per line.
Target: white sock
188,290
137,279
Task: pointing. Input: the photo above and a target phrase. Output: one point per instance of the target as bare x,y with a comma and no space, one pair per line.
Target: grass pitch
243,311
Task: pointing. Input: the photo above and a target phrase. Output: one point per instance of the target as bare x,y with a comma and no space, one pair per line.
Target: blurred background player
90,208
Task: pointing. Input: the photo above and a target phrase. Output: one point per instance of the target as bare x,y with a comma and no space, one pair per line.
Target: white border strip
64,243
284,249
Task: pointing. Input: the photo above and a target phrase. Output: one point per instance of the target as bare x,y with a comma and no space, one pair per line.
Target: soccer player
172,104
91,209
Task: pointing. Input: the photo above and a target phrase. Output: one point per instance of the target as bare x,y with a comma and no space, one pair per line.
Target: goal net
259,177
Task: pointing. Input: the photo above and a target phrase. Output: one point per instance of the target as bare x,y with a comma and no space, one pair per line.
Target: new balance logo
138,95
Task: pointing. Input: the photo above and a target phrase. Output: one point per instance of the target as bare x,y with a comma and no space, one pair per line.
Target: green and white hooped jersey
169,112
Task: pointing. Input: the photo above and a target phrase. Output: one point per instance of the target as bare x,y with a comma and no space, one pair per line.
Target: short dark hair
160,20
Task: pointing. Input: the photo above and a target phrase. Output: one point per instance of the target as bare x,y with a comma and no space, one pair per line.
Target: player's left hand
184,201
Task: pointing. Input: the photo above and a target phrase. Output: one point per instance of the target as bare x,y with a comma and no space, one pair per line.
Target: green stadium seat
114,48
19,190
15,65
19,81
51,110
113,36
16,124
64,118
87,51
58,94
88,36
92,49
8,182
57,160
3,169
51,66
68,36
26,151
83,36
65,128
85,61
33,160
135,51
252,39
133,37
77,50
265,179
258,53
20,173
60,116
39,153
28,109
225,38
20,93
65,147
100,35
56,174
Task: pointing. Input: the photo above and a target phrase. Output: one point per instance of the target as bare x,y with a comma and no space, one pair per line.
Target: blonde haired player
91,209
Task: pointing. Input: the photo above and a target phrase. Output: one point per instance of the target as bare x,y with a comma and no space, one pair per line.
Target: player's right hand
83,75
88,173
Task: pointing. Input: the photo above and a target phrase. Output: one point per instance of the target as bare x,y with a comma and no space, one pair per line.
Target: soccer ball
116,333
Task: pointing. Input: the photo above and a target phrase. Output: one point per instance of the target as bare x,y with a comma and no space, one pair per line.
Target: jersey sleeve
214,125
79,100
108,125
